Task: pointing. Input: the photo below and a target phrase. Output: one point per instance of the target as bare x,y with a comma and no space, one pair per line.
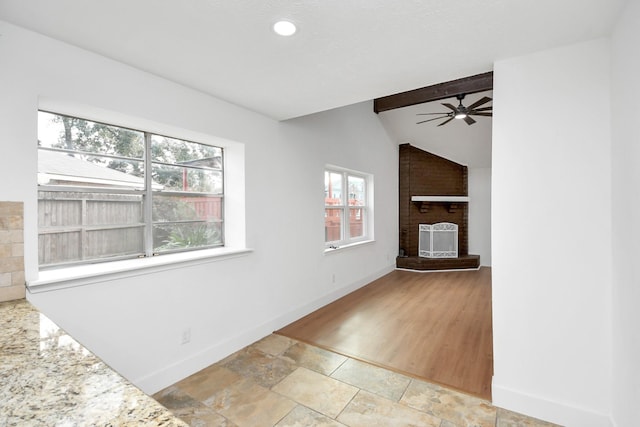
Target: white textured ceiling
345,51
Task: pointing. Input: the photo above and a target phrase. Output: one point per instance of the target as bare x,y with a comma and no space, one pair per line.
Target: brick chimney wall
425,174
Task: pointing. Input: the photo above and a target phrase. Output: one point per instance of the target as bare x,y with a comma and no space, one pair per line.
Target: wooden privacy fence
74,226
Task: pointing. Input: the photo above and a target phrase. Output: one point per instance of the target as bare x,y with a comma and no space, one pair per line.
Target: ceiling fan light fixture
284,28
460,115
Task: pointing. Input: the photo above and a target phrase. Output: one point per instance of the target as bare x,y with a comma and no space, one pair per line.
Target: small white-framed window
348,216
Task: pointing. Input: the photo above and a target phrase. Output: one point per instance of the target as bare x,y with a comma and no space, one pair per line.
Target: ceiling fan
461,112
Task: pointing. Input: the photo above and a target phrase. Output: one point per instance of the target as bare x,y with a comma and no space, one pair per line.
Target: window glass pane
333,225
181,208
76,225
178,151
68,245
174,236
332,188
110,209
356,191
65,245
72,133
60,246
109,242
178,178
92,192
66,211
79,170
356,221
68,208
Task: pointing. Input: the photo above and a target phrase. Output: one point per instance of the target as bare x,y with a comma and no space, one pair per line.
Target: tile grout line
347,405
287,414
405,391
371,391
346,359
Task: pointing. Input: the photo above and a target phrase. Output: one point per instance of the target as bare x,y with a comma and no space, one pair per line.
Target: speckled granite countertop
49,379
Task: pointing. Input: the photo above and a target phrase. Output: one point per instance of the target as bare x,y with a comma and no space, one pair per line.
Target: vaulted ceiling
456,141
345,51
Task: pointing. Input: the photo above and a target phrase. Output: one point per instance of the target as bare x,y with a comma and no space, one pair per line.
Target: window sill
329,250
100,272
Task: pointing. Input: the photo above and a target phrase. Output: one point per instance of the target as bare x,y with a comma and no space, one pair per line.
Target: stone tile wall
12,284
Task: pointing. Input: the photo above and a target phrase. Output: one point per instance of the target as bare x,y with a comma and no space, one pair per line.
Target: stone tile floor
280,382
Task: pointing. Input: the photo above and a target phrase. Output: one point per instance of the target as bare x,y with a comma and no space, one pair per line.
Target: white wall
551,234
135,324
626,212
480,214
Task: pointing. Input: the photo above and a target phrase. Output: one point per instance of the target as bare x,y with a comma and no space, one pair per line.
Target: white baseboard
158,380
547,410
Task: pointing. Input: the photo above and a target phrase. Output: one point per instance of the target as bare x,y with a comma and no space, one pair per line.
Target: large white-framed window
348,207
107,192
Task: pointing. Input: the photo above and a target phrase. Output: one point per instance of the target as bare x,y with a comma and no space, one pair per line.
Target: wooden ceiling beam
466,85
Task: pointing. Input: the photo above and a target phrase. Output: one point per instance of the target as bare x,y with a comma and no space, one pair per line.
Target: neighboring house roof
59,166
210,162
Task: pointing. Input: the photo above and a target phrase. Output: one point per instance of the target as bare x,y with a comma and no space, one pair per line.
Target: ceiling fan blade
482,109
479,102
481,114
436,118
446,121
426,114
451,107
469,120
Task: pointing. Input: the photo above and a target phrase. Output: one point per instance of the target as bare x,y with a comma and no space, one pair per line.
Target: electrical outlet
186,335
333,278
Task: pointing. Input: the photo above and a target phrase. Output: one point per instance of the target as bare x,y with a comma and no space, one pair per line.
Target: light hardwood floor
434,326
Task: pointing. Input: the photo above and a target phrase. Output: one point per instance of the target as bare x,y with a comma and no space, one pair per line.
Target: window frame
366,209
147,193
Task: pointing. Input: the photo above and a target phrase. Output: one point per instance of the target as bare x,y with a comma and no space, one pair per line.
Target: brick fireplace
432,190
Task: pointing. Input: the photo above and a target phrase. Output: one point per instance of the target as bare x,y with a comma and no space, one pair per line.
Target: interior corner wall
134,324
625,89
480,214
551,234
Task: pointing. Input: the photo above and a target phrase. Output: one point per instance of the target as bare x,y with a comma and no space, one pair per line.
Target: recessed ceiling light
284,28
